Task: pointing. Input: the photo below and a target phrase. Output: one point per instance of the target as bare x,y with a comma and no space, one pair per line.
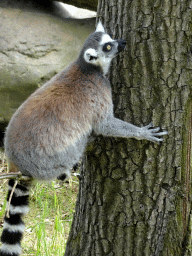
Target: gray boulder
91,5
35,44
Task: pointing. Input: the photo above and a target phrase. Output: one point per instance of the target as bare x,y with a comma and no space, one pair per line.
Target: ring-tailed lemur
48,133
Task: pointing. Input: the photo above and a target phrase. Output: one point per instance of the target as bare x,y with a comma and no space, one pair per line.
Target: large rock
35,44
86,4
91,5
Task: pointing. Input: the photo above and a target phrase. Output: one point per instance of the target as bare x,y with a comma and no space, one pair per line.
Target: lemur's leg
75,173
13,228
115,127
67,174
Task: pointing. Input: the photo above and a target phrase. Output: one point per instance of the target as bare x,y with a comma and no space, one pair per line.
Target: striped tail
13,227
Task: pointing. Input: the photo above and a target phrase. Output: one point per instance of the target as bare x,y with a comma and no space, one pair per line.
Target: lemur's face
99,49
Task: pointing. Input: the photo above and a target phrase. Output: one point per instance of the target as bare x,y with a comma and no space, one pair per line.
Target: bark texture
134,197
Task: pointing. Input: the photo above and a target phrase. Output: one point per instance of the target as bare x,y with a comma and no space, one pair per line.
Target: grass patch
48,222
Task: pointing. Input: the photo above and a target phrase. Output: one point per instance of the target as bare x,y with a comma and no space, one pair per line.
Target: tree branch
14,175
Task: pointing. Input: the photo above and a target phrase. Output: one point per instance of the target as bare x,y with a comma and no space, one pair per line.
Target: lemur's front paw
152,134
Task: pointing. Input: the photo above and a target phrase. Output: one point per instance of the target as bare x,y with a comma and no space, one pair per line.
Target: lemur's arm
115,127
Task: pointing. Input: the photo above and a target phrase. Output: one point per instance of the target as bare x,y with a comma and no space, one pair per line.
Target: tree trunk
134,196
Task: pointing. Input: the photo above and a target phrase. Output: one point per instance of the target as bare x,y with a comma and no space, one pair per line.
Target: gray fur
48,134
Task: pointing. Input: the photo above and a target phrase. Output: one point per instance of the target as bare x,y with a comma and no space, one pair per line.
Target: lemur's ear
100,27
90,55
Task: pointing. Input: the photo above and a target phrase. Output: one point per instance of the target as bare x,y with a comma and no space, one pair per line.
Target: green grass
48,222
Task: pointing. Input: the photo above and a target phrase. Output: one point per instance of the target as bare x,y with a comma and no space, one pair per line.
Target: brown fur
62,111
12,167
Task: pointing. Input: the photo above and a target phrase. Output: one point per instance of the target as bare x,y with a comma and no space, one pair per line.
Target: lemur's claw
151,133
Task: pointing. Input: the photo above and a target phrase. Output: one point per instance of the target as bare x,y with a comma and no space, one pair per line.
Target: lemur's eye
107,47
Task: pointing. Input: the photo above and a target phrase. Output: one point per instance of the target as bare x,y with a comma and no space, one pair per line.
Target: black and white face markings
104,51
13,225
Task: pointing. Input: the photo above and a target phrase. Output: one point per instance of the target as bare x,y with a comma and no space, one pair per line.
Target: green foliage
48,222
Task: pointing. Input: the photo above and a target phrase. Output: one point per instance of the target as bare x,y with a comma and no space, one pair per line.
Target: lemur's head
99,48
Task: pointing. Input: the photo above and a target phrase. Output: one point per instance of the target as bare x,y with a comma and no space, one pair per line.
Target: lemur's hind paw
77,175
62,177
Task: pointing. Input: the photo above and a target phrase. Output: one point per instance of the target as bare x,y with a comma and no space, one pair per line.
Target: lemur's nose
121,45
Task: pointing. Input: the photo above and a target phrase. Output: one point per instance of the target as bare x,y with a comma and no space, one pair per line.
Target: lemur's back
47,135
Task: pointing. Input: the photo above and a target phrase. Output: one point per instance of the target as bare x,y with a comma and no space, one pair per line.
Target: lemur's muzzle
121,45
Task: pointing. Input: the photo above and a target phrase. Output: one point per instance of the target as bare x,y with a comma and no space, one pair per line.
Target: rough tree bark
134,198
